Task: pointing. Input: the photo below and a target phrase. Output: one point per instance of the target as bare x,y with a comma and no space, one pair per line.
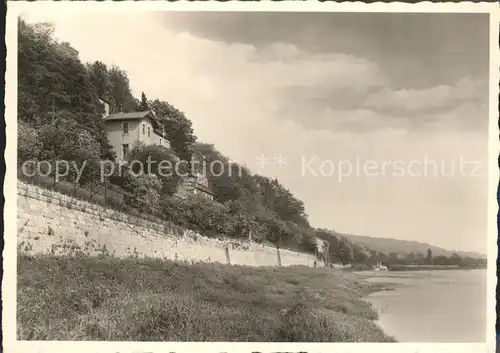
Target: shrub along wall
49,222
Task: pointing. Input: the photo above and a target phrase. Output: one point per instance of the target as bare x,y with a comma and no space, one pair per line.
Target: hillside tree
143,105
178,128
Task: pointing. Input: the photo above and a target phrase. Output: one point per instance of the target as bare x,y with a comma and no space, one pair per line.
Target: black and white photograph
259,176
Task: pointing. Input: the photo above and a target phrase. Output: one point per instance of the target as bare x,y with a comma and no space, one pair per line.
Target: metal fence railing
103,193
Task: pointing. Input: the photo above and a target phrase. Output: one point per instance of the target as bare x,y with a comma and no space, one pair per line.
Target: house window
144,129
160,142
125,151
149,131
125,128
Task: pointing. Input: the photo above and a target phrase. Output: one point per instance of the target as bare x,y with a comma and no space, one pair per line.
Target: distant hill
387,245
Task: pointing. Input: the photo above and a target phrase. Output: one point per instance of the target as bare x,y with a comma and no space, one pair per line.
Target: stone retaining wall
50,222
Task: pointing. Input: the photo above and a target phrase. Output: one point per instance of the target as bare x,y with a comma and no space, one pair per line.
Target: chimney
106,107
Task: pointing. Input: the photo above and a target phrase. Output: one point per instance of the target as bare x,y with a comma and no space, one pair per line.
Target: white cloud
442,96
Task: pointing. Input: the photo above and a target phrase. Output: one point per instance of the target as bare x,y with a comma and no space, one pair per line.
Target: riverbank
106,298
404,268
436,298
423,267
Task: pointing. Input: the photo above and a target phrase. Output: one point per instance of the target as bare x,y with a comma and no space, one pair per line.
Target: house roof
104,99
203,188
128,116
157,127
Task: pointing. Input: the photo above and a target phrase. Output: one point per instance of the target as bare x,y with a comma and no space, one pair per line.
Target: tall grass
82,298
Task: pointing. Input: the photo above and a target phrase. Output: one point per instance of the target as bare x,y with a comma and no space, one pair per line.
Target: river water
432,306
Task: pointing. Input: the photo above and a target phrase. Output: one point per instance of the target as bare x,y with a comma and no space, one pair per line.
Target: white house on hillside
125,129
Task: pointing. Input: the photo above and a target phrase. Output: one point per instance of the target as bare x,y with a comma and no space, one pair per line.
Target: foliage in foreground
63,298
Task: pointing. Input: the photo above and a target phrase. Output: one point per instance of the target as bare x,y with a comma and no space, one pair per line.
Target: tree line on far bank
346,252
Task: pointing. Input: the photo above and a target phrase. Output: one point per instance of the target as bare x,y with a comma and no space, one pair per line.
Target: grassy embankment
83,298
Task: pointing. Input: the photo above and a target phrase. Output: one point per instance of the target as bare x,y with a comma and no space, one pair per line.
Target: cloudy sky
404,95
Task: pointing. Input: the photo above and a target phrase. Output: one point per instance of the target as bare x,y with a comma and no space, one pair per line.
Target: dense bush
199,214
160,161
146,191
